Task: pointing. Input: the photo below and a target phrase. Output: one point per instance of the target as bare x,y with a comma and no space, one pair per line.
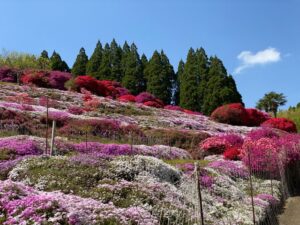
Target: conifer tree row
201,83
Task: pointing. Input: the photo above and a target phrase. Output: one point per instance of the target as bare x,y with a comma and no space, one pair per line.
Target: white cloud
249,59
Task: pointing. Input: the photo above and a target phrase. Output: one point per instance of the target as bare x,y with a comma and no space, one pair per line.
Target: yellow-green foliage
292,114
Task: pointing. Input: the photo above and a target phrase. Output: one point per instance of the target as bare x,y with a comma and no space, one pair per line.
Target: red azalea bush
8,75
256,117
86,82
127,98
281,124
234,114
153,104
37,78
232,153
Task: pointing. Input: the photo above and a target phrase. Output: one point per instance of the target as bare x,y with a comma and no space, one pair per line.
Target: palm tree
271,102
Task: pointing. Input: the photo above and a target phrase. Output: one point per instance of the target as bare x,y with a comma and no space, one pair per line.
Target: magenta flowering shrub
20,147
144,97
57,79
262,133
61,118
8,75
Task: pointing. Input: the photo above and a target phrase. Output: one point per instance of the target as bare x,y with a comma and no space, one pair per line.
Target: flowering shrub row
281,124
236,114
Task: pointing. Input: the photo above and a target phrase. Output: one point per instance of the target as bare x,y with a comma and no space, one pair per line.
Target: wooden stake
47,127
52,137
251,186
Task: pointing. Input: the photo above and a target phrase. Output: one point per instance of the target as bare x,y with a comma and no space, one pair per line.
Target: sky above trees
256,40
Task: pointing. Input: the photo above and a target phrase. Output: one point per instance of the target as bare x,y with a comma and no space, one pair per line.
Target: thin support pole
47,126
52,137
86,140
197,176
251,186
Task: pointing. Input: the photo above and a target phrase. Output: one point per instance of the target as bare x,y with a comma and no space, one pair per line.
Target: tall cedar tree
44,54
179,73
57,63
132,68
159,74
190,83
115,61
94,62
104,71
220,88
79,67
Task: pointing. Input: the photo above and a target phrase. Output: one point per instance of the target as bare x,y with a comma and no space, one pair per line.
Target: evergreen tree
57,63
176,95
189,83
95,61
115,61
133,74
144,61
220,88
159,74
79,67
104,71
44,54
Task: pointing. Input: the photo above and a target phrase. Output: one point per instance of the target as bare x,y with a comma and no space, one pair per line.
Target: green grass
292,114
174,162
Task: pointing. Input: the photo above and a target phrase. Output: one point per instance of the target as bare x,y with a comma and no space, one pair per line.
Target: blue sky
264,34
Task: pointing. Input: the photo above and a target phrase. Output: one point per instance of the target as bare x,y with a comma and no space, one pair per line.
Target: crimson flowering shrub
37,78
281,124
8,75
88,83
127,98
232,153
218,144
234,114
57,79
153,104
256,117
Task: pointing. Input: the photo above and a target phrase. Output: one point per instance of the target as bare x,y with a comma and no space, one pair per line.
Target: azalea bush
234,114
127,98
8,75
282,124
256,117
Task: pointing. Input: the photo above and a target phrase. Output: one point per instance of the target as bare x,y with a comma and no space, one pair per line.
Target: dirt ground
291,212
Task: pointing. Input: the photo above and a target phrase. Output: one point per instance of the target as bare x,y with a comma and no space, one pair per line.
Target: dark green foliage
44,54
220,88
159,74
115,60
104,71
95,61
57,63
79,67
176,95
133,78
190,83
